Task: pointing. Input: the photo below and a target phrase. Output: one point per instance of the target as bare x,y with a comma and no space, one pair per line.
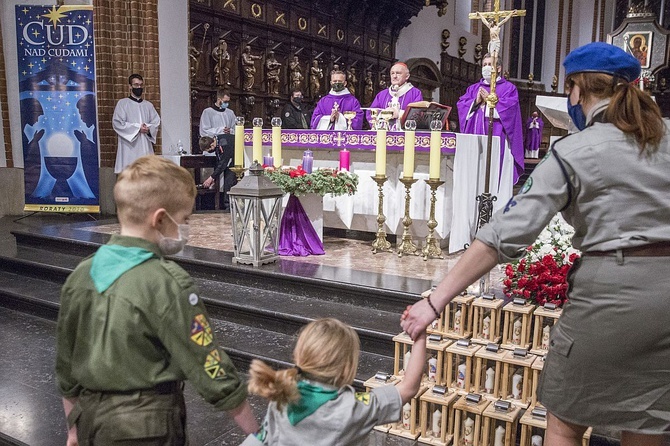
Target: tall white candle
499,436
460,380
276,144
239,145
408,156
380,153
486,327
516,332
517,382
457,320
435,154
490,380
437,423
545,337
468,431
432,368
257,144
406,415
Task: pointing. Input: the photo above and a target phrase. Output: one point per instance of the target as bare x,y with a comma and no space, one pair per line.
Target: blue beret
600,57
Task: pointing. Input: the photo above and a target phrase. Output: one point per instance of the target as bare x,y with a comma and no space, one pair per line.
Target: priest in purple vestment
474,116
328,114
397,96
534,126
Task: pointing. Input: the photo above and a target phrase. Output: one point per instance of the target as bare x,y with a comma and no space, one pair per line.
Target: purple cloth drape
297,236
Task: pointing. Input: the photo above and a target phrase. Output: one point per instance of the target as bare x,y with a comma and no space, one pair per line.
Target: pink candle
344,159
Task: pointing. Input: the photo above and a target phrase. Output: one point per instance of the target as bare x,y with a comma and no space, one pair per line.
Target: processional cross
493,21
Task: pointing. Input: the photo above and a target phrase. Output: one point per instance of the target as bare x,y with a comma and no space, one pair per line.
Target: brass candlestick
432,248
380,243
238,171
407,246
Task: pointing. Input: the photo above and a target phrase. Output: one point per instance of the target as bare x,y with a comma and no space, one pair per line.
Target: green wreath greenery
322,181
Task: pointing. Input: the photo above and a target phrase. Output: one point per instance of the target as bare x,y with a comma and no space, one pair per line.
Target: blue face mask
223,106
577,115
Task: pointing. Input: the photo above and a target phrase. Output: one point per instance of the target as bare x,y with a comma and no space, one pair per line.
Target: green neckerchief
111,261
312,397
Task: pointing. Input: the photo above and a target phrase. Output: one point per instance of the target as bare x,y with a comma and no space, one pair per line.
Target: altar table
456,207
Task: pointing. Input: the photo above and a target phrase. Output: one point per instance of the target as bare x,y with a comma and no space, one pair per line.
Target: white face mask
486,72
170,246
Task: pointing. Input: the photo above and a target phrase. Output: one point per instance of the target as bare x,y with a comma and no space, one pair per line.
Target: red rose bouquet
540,276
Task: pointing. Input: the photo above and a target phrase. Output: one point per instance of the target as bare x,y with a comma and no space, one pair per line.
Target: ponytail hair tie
298,370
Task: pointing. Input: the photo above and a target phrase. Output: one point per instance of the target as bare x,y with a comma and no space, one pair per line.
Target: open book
423,112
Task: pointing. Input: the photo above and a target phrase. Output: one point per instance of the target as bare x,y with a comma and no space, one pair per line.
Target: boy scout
132,326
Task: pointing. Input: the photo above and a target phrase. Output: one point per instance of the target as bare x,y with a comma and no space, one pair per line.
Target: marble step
291,276
282,312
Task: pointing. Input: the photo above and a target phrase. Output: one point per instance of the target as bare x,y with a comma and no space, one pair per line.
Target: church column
5,107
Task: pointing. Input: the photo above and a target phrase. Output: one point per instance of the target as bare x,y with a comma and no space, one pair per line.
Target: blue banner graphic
56,64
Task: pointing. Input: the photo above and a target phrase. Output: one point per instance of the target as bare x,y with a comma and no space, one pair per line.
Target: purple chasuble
345,102
383,100
509,127
534,135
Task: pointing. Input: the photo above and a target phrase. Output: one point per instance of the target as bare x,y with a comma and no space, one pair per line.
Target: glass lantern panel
243,225
269,225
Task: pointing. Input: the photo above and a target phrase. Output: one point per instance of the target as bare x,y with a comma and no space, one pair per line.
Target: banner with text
56,64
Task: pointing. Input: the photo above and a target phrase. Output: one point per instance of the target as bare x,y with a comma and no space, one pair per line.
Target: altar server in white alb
218,119
136,122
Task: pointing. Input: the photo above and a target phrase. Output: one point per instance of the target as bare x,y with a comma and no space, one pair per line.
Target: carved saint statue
352,80
315,76
369,89
193,55
296,74
248,68
272,70
445,40
221,58
383,83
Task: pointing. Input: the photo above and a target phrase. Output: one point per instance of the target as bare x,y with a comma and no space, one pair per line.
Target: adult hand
415,319
334,116
226,130
38,135
81,137
144,128
208,182
482,94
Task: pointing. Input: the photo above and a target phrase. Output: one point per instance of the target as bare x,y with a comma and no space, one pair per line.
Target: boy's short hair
149,183
220,93
133,77
204,142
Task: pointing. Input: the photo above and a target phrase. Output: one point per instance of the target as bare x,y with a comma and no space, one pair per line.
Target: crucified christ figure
494,31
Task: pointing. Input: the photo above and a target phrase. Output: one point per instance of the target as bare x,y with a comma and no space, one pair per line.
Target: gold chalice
374,114
349,115
385,116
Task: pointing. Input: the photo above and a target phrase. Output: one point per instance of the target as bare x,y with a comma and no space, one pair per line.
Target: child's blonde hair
149,183
327,351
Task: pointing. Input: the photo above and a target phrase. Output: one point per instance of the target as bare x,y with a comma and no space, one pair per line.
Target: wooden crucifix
493,20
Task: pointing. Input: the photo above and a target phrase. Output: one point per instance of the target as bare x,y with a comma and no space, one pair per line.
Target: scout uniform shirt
345,419
130,320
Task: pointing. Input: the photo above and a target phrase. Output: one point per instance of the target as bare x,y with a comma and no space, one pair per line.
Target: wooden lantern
516,326
488,371
381,379
437,421
516,377
533,426
439,325
409,424
545,318
501,419
458,317
460,365
468,420
486,319
537,367
435,347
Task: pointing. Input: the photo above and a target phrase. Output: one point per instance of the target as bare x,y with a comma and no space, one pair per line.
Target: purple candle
268,161
307,161
344,159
